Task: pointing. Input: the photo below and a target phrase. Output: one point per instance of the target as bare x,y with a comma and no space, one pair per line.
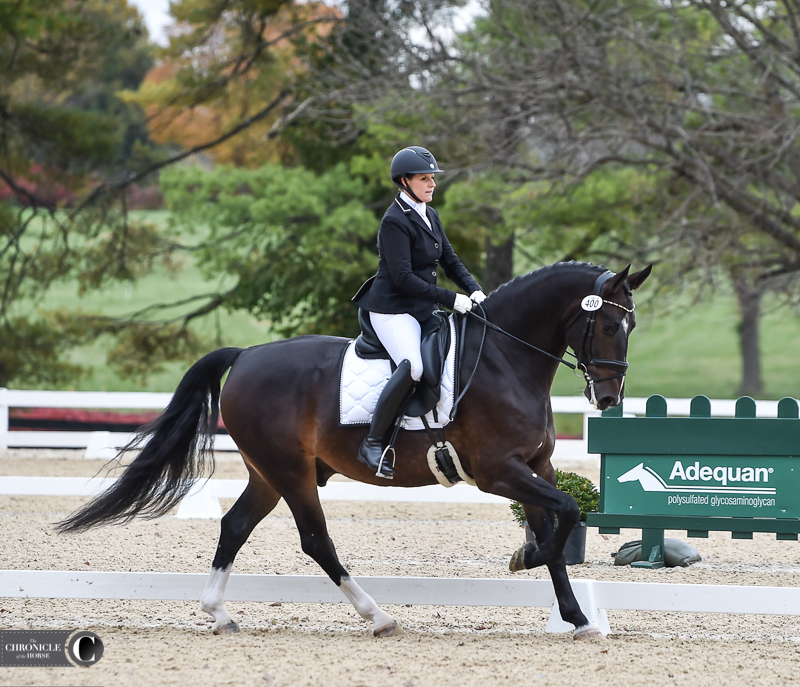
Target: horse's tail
178,450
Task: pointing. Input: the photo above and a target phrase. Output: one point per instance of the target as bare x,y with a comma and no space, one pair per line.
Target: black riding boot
390,403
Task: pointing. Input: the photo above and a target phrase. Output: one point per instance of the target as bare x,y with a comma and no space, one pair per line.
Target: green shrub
580,488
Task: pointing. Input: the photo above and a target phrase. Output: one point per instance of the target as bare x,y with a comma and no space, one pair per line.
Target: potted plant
588,499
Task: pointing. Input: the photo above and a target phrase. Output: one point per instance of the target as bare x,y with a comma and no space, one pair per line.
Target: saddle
434,346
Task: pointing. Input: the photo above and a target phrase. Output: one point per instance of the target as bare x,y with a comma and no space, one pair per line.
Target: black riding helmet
412,160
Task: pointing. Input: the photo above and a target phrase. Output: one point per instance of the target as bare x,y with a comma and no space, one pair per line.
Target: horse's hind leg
255,503
316,543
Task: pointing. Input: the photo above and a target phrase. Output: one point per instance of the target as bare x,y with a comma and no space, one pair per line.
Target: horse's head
599,335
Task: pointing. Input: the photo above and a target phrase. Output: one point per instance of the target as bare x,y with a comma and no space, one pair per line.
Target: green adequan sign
702,485
741,467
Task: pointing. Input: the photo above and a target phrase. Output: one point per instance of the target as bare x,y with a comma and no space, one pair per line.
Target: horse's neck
536,313
525,367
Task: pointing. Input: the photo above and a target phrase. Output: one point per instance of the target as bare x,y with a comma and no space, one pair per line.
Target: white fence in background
97,444
105,444
594,597
203,500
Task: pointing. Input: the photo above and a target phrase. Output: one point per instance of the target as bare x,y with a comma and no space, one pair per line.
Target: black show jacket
409,258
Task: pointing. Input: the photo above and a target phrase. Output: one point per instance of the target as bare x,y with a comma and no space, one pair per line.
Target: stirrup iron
379,472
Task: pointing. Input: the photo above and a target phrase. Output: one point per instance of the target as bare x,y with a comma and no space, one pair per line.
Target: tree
230,63
342,73
294,81
60,127
61,122
701,96
297,244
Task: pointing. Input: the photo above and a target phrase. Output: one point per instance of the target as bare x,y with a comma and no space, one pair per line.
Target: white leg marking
212,601
382,622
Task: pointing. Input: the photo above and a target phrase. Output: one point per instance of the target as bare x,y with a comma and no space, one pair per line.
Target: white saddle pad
363,380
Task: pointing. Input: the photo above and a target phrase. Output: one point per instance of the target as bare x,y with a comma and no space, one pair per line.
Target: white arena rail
595,597
203,500
97,444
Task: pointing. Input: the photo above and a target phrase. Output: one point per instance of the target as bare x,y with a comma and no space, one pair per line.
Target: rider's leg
400,335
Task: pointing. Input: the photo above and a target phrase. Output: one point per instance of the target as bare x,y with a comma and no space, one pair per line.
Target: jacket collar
412,213
403,203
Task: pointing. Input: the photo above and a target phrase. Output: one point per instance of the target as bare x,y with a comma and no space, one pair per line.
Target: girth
436,339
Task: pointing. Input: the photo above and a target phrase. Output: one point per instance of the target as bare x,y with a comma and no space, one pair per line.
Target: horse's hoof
588,633
517,561
391,630
229,629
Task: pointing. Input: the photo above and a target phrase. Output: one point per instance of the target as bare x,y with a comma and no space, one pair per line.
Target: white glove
462,304
477,296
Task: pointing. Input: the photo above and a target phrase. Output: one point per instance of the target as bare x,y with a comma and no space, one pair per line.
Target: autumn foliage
253,75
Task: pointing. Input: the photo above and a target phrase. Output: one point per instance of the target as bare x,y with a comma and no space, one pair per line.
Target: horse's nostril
607,402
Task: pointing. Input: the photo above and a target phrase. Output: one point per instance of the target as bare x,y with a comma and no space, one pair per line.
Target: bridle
581,362
619,366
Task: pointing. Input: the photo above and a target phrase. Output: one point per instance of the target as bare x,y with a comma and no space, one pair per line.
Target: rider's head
410,162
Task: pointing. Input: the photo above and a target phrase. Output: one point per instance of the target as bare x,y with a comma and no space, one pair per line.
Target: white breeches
400,335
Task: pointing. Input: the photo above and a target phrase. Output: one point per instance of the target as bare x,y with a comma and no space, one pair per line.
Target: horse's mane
546,273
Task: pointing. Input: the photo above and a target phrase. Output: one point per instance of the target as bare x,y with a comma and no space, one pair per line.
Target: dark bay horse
280,405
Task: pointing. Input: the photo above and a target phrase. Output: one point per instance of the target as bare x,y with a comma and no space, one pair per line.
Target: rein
493,326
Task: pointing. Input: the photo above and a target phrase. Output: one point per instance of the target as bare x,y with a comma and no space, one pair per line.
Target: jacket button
433,273
435,245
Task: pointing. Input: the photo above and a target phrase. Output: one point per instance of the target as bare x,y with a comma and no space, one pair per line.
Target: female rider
403,294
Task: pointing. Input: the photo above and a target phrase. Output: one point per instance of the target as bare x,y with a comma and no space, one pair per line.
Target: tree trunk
499,263
749,299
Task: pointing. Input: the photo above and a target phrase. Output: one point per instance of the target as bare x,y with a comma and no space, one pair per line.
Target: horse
280,406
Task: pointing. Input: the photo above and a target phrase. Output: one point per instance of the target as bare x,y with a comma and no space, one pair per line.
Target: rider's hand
462,304
477,296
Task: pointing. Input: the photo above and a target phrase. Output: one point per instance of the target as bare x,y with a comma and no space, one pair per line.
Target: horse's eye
610,328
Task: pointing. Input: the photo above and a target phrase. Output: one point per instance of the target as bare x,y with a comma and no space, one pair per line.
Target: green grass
680,352
218,329
695,350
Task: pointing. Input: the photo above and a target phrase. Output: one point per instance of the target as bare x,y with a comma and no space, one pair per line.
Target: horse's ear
615,282
638,278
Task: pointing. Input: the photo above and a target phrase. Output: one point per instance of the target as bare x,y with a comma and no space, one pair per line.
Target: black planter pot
575,548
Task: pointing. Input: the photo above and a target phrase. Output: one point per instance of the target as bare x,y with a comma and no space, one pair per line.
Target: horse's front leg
518,482
544,506
542,524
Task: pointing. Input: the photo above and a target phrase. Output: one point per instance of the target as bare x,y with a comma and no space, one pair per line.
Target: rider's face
422,186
